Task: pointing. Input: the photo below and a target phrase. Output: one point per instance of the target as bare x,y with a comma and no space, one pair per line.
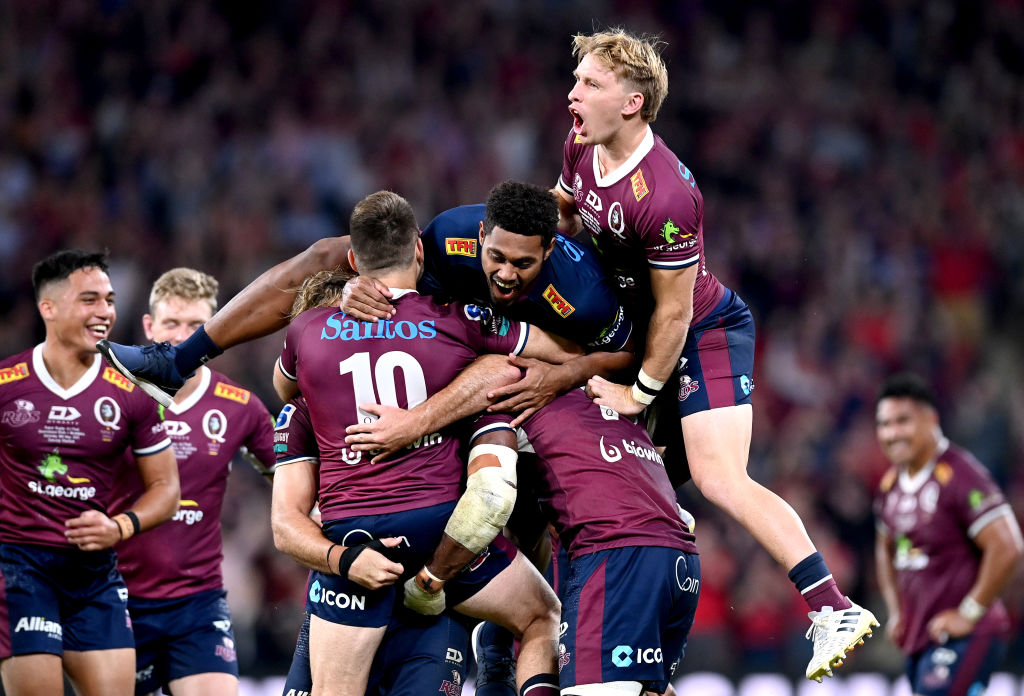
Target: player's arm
479,516
258,449
264,305
886,574
569,221
549,347
286,386
296,534
1000,544
94,530
673,310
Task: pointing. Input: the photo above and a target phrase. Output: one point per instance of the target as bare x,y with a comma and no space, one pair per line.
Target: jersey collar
204,384
912,484
39,365
646,145
399,292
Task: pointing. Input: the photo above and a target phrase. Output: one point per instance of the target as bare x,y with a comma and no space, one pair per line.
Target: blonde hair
636,59
321,289
186,283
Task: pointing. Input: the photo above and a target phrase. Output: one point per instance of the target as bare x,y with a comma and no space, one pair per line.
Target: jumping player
947,545
644,212
67,427
183,637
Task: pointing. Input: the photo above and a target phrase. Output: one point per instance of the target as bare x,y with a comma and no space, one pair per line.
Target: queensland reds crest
215,425
577,189
687,386
453,687
24,413
108,413
616,223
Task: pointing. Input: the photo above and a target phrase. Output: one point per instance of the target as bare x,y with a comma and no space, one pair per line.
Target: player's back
340,363
602,479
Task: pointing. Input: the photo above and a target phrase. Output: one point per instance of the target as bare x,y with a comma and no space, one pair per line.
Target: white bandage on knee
616,688
488,501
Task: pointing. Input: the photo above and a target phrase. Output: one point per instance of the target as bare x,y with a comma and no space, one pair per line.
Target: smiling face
79,310
906,430
599,101
174,319
511,263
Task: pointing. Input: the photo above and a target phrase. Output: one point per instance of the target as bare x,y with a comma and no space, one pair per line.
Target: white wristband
971,609
641,397
646,380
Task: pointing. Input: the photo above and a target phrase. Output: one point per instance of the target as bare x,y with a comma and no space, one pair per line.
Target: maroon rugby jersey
600,479
932,519
340,362
646,214
61,449
183,556
294,440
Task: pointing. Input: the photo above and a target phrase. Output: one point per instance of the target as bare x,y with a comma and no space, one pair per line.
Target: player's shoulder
958,464
17,367
225,390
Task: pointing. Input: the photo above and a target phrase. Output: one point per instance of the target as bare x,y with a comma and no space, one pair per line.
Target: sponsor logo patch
13,374
557,302
455,246
117,379
639,185
233,393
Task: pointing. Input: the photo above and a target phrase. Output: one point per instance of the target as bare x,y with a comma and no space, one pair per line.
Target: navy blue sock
816,585
195,351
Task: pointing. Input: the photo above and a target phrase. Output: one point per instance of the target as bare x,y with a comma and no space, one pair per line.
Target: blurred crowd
862,165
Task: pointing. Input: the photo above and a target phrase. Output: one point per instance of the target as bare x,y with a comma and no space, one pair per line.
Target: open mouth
577,121
98,331
504,290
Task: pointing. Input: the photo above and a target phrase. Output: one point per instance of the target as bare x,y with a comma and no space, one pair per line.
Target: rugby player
183,637
644,212
68,428
413,498
947,545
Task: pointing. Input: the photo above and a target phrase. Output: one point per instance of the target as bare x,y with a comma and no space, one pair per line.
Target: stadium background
862,165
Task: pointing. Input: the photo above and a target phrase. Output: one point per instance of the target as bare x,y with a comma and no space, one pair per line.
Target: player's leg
203,684
33,675
961,666
299,680
260,308
421,654
519,599
716,423
198,645
340,656
101,672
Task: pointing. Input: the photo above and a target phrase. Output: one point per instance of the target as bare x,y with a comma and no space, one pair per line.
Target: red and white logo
687,386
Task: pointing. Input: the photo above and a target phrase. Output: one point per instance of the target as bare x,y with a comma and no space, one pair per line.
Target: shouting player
68,428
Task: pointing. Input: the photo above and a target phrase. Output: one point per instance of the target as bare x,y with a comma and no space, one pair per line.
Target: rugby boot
834,633
151,367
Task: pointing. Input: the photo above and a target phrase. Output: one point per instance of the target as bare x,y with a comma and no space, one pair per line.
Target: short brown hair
636,59
322,289
383,232
186,283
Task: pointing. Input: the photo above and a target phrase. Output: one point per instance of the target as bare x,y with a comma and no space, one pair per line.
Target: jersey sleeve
258,446
489,332
978,500
669,226
148,436
288,361
489,423
430,281
294,440
571,154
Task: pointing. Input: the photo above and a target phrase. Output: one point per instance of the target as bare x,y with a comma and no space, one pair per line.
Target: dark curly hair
59,266
523,209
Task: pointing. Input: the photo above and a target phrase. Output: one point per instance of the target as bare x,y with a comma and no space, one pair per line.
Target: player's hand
423,601
537,388
373,570
394,429
92,531
894,628
949,624
618,397
366,299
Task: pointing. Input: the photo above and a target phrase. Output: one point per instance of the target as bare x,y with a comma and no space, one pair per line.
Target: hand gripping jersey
932,519
570,297
340,363
62,449
183,556
647,214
